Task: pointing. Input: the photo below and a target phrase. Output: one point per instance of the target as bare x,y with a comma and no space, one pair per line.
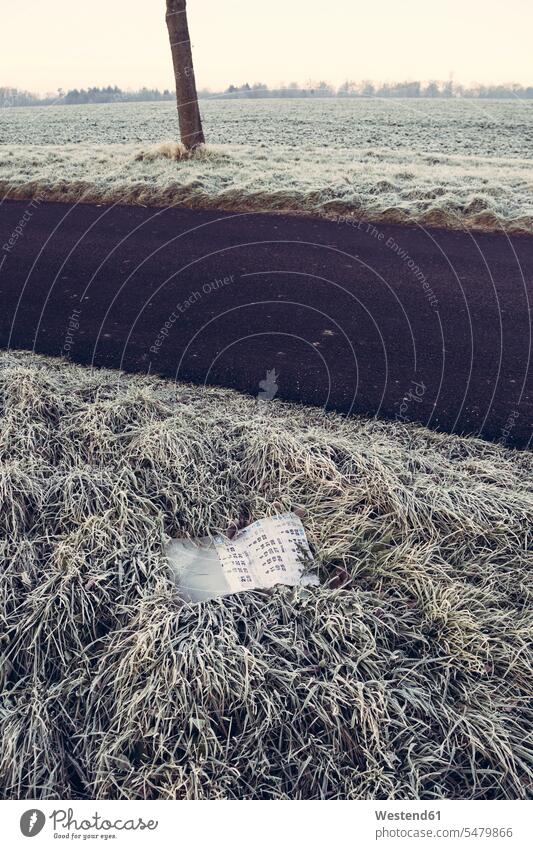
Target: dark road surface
428,326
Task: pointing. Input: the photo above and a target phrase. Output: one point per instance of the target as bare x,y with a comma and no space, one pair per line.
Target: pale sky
47,44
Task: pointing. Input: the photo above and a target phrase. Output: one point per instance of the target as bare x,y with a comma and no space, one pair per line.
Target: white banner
276,825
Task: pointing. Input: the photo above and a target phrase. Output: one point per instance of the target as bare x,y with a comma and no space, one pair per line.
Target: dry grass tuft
406,675
176,152
166,150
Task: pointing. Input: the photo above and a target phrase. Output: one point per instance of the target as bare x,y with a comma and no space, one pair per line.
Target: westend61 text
407,815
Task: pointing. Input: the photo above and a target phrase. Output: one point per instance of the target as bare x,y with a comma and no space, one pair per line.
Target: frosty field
443,163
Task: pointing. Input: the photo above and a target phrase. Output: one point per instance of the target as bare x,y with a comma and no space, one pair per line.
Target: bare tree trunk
191,130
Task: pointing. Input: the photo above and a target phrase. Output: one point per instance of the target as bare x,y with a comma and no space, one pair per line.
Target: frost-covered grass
453,164
407,674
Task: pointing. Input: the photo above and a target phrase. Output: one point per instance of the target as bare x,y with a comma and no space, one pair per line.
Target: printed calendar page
268,552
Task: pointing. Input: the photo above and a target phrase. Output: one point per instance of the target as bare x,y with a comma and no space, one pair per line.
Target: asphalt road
428,326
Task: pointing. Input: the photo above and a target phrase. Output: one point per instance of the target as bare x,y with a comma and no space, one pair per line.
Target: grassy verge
405,675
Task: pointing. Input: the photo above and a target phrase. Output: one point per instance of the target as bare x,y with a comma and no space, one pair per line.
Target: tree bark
191,131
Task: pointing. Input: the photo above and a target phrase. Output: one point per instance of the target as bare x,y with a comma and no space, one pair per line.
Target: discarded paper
268,552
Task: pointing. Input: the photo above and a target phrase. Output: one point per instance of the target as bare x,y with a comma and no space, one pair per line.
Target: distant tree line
109,94
367,88
350,88
112,94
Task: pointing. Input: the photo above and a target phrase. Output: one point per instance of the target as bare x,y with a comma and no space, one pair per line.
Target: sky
48,44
